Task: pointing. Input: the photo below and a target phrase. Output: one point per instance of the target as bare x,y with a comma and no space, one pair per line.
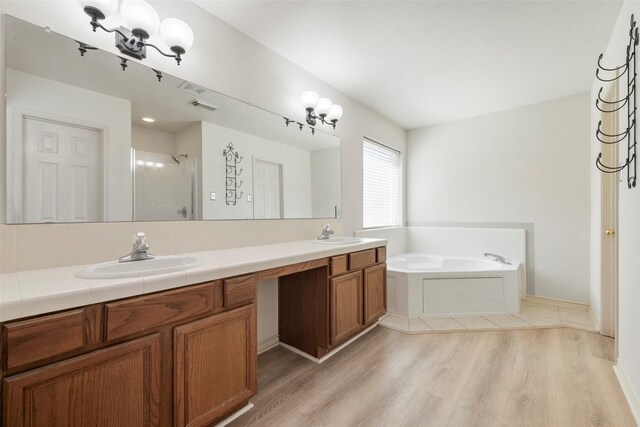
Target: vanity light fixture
142,21
148,119
320,109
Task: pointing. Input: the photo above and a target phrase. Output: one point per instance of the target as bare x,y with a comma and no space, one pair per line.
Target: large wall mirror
81,146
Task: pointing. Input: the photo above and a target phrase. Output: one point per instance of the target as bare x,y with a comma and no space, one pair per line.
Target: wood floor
543,377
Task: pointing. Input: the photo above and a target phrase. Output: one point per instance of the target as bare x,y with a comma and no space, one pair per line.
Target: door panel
116,386
215,366
266,190
375,301
346,306
62,168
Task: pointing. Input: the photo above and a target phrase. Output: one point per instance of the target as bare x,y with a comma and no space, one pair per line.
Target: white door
266,189
609,224
62,167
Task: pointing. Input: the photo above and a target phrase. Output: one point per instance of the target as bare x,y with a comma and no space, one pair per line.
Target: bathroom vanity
185,356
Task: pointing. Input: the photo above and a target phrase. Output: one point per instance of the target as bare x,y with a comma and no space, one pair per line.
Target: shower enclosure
164,186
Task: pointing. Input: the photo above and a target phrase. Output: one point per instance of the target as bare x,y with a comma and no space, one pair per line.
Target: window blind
381,185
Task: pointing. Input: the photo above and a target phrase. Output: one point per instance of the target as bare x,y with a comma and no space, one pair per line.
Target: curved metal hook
608,169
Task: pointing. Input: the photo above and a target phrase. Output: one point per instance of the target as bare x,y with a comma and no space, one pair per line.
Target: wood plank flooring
541,377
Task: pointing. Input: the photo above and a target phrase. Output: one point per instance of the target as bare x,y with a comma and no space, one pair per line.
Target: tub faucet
326,232
498,258
139,250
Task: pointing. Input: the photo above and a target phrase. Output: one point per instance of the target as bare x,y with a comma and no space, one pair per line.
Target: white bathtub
421,285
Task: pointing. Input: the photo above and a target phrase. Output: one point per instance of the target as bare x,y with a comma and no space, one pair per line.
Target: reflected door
62,166
267,178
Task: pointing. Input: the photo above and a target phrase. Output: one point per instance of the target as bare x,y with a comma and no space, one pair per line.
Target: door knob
610,232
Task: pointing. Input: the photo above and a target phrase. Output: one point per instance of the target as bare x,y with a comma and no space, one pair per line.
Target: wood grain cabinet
319,313
374,294
346,306
115,386
215,366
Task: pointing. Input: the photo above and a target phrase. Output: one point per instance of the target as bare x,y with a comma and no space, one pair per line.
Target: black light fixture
320,109
142,22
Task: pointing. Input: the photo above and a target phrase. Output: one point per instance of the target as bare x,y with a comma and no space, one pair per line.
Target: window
381,185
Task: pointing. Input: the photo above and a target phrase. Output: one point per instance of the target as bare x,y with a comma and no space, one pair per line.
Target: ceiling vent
202,104
192,89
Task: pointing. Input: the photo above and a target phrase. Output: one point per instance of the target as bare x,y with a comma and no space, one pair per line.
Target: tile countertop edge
217,264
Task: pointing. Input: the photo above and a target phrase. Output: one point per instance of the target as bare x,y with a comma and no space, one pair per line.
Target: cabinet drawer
136,315
381,254
239,290
362,259
37,339
339,265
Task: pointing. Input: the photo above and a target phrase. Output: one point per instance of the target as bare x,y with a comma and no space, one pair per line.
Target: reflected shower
177,158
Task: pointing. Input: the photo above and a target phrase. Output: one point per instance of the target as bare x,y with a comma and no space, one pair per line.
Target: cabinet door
346,306
215,366
116,386
375,295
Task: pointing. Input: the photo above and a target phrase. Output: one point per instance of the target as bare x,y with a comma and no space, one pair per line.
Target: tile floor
533,314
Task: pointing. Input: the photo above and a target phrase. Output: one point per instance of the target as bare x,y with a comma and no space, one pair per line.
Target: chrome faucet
139,250
326,232
498,258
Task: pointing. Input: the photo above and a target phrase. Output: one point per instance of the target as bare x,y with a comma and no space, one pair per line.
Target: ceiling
424,62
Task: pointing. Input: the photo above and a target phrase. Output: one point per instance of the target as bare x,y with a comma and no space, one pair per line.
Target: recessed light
148,119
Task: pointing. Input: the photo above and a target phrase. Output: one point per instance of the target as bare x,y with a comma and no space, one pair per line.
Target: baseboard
268,343
565,303
332,352
238,413
629,392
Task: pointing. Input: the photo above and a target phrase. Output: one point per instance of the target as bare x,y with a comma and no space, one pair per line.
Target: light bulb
176,34
140,15
309,99
105,8
335,113
323,107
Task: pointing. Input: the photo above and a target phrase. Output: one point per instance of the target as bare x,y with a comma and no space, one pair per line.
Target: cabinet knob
610,232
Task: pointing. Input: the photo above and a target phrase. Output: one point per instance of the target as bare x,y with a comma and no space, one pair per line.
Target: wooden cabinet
318,313
346,306
374,293
215,366
115,386
178,357
183,357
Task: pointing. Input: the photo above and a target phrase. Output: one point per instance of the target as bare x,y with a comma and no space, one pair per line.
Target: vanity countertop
32,292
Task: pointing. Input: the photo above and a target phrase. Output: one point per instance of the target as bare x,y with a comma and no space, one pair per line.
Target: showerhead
177,158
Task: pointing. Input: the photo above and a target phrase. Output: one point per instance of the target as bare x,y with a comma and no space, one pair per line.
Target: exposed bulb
104,7
140,15
309,99
176,34
335,113
323,107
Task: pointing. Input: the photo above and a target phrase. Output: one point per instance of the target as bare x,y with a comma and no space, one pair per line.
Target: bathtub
421,285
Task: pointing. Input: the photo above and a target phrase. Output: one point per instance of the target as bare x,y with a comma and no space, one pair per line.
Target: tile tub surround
38,246
533,314
28,293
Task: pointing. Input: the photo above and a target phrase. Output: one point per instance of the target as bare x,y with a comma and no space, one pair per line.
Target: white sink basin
157,265
339,241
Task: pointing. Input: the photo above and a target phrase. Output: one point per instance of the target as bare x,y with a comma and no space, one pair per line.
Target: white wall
628,232
526,165
325,182
60,101
296,176
152,140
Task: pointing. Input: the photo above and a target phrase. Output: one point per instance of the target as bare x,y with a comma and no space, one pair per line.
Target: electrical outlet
249,198
212,195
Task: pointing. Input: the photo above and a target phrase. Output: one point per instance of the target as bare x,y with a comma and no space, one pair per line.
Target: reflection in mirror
88,141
